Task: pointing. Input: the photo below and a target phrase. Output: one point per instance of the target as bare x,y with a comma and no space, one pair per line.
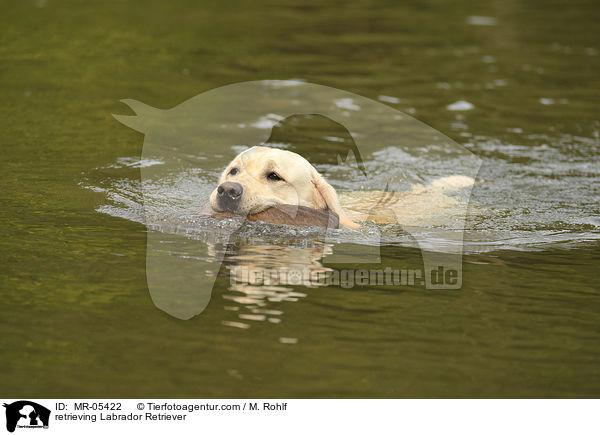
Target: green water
77,318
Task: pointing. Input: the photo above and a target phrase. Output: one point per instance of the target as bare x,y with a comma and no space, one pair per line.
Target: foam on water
526,198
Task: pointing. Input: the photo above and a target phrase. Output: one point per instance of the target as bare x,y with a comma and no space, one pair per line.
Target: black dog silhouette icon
29,411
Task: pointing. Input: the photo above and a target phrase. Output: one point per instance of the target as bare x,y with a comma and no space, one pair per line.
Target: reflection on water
259,273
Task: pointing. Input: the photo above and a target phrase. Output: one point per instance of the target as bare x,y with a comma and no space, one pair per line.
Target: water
516,84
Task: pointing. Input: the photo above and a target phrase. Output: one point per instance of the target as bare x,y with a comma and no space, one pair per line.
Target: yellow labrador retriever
262,178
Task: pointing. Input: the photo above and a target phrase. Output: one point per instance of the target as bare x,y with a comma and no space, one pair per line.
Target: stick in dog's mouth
286,214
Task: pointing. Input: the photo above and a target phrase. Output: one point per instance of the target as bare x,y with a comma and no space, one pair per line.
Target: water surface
515,83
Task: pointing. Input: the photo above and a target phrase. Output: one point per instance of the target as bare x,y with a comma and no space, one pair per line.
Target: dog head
261,177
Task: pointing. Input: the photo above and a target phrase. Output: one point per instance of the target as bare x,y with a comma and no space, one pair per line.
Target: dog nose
230,189
229,194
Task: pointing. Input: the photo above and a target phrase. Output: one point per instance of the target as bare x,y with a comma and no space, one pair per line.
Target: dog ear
324,197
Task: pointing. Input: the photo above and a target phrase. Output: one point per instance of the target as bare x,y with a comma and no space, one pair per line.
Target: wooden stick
290,215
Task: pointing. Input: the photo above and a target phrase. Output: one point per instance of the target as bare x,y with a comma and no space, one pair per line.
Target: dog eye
234,171
274,177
